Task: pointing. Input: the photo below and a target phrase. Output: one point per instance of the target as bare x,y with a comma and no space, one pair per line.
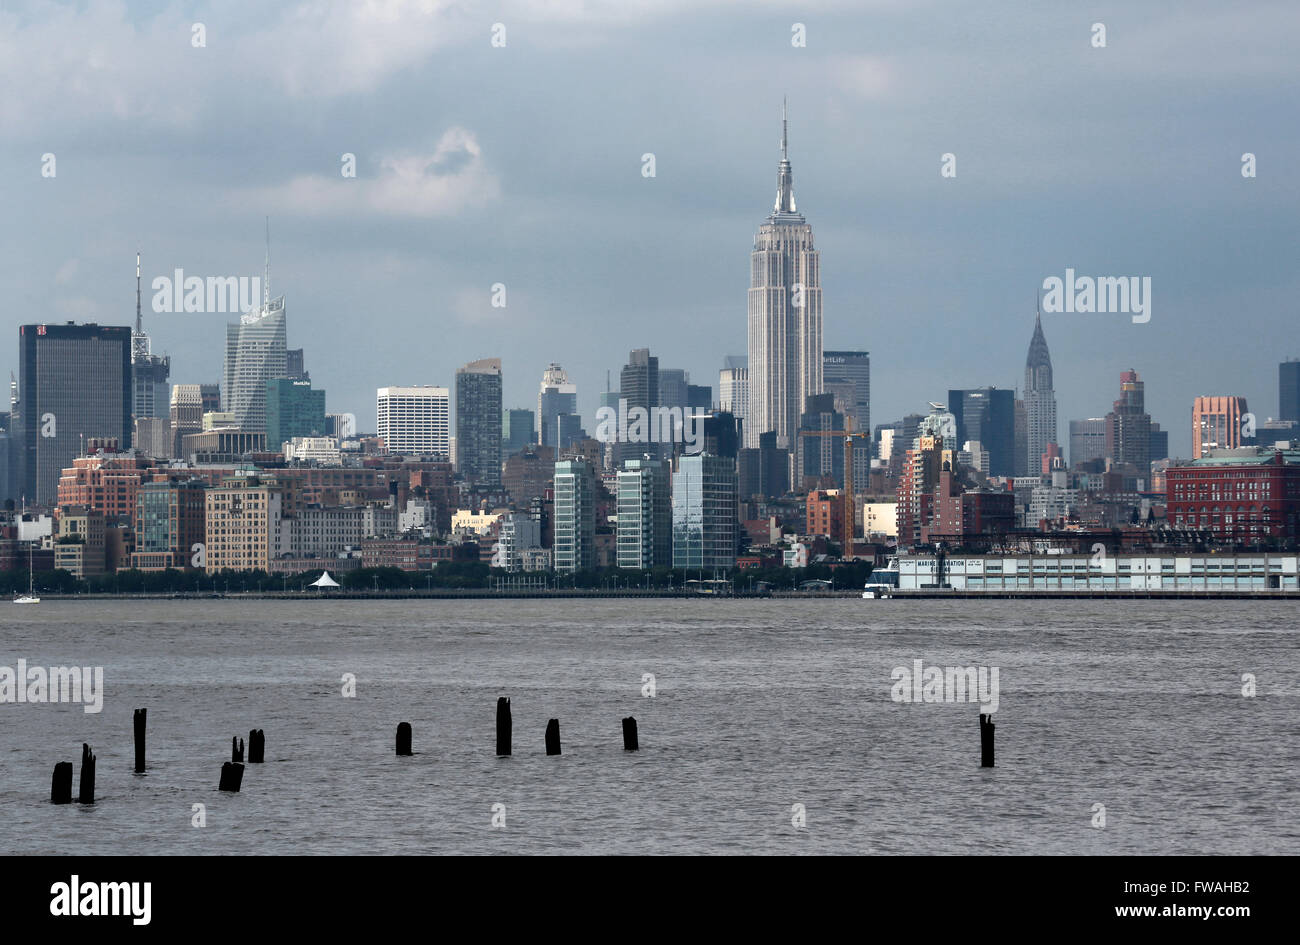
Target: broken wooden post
138,718
87,792
553,737
404,738
236,749
629,734
503,726
256,747
232,776
61,787
986,740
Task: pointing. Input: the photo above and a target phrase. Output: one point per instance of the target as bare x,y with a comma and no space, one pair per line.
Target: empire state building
785,316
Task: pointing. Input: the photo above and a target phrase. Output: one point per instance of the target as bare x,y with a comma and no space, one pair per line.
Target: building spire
139,319
784,176
266,282
139,340
785,140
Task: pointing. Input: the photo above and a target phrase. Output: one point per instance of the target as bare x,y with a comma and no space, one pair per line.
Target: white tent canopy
325,581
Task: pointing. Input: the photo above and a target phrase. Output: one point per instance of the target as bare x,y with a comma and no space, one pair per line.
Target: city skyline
932,267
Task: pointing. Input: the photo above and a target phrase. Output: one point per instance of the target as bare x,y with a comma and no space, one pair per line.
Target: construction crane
850,510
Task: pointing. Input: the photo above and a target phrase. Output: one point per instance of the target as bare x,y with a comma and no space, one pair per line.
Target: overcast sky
522,165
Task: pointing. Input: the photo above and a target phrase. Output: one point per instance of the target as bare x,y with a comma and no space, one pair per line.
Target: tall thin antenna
784,139
266,282
139,320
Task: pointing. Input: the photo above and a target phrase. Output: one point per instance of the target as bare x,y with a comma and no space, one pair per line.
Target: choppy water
760,705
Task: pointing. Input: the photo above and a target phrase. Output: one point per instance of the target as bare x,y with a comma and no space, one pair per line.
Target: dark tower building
1288,390
75,383
639,386
987,415
478,422
1128,425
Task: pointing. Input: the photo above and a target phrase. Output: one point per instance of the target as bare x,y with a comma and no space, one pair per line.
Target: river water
765,713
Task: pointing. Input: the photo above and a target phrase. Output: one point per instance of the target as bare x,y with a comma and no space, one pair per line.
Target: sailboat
30,597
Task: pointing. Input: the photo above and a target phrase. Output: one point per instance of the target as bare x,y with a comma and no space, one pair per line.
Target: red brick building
1242,499
824,514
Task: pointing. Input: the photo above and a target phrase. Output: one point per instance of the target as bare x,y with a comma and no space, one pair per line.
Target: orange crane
850,510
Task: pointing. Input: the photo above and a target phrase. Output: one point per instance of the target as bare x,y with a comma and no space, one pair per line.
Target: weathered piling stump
61,787
504,726
404,738
139,719
553,737
629,734
86,795
236,749
232,776
986,740
256,747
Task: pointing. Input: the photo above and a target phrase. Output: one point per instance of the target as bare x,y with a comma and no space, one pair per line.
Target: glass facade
75,384
575,516
478,422
704,512
644,515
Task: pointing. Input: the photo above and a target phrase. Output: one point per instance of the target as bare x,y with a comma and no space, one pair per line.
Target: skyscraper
414,420
1128,425
74,383
149,372
848,375
988,415
639,385
1216,424
293,409
733,386
295,365
704,513
1288,390
255,354
645,518
820,457
478,422
785,316
1040,399
574,546
1087,440
557,396
852,371
518,429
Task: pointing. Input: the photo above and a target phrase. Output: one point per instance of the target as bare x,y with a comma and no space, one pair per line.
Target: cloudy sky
522,165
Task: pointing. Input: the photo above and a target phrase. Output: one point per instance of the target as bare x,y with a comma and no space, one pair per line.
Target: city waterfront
758,706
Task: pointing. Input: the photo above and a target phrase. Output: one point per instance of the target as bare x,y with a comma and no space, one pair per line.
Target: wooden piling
404,738
139,719
256,747
61,787
986,740
236,749
232,776
629,734
87,792
504,726
553,737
